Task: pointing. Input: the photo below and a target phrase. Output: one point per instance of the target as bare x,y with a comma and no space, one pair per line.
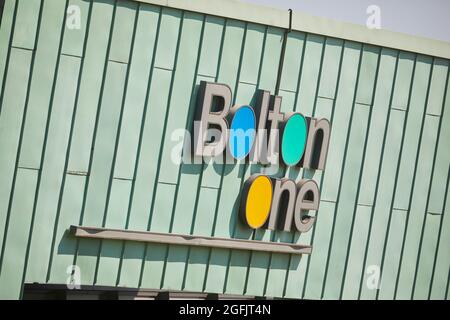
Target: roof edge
237,10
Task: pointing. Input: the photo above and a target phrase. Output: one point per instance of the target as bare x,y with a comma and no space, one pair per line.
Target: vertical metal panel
417,202
298,268
381,99
393,246
414,126
442,258
181,91
425,260
115,214
437,191
26,24
277,265
330,57
90,84
41,89
63,247
15,244
344,206
45,131
51,173
13,104
87,118
388,72
134,112
340,122
438,285
196,270
354,156
130,142
6,34
228,176
85,126
74,37
69,207
356,250
238,261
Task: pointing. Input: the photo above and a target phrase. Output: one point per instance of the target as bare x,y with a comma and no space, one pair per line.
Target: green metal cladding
82,143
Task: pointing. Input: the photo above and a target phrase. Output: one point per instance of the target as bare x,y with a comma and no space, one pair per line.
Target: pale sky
425,18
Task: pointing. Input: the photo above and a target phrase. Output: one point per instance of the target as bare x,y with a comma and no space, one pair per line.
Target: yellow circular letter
258,201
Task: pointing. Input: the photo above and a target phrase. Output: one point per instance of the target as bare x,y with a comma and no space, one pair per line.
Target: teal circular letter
242,132
294,139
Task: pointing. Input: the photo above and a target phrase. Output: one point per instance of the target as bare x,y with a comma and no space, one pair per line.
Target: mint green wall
82,143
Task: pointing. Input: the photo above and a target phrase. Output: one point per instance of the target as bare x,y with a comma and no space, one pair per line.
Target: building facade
93,91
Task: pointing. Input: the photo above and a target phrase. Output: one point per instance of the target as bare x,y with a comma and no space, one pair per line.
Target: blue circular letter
242,132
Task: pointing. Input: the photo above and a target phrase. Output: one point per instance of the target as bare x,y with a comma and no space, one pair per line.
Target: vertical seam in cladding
253,231
302,172
155,183
379,169
341,57
405,122
191,103
30,73
94,137
221,180
448,284
430,185
439,236
316,97
19,145
2,7
43,152
30,76
342,169
244,37
361,170
395,184
63,181
314,111
222,171
94,134
192,226
172,77
144,113
141,133
443,212
294,108
244,168
273,233
8,54
243,176
414,178
119,127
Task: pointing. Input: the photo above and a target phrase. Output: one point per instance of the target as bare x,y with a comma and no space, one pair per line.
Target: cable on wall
283,51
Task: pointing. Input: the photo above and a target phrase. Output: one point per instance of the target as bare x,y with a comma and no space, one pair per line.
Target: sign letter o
242,131
293,141
256,201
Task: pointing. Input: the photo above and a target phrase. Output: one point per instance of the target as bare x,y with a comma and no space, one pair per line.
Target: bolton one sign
264,135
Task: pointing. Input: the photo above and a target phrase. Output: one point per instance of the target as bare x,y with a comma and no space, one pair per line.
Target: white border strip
189,240
303,22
